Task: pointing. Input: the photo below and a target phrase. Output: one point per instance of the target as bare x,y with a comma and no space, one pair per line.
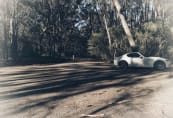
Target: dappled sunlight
52,52
37,35
42,87
128,98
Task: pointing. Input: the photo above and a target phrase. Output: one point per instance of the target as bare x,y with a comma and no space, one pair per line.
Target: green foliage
153,39
120,43
98,46
27,51
60,27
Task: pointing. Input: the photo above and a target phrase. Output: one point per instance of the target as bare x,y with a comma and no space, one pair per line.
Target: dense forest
58,29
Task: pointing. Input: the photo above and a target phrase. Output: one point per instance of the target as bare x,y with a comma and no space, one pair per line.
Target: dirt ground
92,88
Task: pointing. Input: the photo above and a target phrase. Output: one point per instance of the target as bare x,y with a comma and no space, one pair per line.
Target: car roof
131,53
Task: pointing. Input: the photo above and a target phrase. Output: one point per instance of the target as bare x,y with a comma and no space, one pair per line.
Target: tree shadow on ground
126,98
66,81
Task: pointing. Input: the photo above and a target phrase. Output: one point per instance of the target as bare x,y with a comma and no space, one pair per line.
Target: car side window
133,55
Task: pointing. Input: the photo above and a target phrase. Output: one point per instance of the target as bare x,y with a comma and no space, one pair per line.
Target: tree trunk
14,45
5,48
107,31
103,16
124,24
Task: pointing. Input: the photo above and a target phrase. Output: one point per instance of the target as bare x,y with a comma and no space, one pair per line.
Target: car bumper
115,62
168,64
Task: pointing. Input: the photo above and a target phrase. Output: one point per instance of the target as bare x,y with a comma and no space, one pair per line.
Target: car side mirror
141,57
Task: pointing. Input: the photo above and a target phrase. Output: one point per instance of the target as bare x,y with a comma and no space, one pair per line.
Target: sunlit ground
69,90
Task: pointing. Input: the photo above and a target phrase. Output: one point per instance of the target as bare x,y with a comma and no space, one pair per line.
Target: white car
136,59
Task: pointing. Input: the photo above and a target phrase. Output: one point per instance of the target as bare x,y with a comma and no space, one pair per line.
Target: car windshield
133,55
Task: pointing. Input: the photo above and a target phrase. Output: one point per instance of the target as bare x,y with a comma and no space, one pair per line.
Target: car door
148,62
137,60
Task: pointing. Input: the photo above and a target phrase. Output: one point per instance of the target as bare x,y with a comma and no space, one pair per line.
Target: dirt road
71,89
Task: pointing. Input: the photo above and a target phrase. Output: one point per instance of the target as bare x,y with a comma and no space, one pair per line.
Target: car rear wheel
159,65
123,65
